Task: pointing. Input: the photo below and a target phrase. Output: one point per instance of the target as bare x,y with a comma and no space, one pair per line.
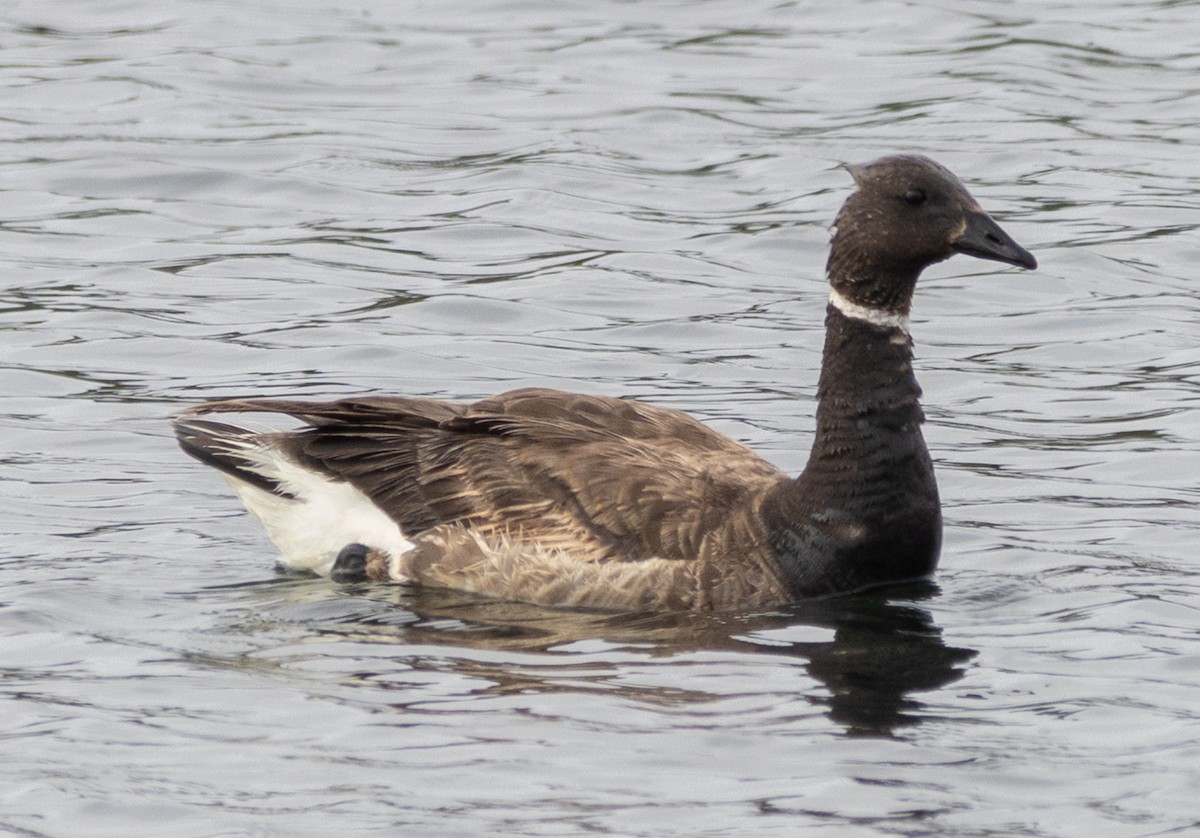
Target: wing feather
606,478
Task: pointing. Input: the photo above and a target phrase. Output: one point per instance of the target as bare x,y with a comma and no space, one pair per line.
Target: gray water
202,198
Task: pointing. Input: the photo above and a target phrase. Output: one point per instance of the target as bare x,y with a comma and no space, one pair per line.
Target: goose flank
577,500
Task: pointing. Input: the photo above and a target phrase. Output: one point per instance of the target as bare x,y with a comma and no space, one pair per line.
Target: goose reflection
872,653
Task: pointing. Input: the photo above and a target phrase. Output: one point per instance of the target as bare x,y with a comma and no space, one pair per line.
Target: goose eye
914,197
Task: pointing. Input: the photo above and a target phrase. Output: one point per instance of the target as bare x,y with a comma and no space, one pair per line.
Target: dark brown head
907,213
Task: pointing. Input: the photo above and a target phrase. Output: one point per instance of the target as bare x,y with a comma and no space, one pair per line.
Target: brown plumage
538,494
568,499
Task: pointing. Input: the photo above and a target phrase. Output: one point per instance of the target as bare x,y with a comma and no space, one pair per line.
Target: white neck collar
874,316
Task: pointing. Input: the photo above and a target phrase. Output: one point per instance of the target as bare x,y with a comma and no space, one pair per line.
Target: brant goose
566,499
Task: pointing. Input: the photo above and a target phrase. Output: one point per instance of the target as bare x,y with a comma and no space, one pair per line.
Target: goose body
566,499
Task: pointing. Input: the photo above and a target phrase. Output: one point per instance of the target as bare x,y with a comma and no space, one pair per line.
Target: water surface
204,199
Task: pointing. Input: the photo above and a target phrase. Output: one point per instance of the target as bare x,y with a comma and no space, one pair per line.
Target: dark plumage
559,498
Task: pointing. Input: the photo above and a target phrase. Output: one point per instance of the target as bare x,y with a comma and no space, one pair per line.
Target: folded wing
601,479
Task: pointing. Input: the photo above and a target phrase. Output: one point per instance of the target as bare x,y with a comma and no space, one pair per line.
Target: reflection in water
870,652
881,652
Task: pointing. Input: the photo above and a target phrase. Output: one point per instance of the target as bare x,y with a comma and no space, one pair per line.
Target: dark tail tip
218,444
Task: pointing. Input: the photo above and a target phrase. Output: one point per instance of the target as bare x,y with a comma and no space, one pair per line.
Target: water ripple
269,199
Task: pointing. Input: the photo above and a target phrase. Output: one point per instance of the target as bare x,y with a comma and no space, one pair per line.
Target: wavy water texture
206,198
